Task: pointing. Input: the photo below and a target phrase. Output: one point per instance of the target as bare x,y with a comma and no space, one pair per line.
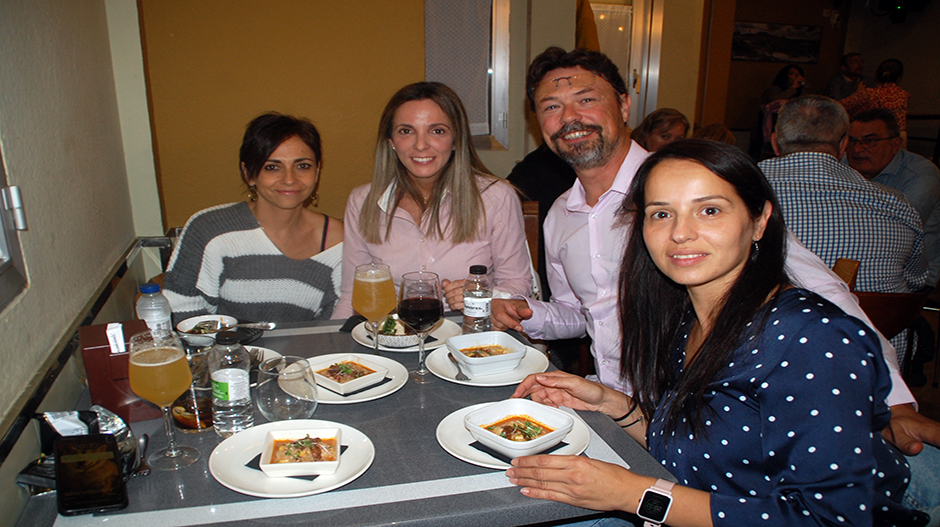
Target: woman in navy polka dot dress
764,400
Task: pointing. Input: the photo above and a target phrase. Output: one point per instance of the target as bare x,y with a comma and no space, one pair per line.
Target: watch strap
661,489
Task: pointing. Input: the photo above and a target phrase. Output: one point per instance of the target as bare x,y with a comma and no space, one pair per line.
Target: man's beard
587,154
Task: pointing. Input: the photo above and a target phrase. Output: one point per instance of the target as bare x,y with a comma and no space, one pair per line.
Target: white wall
61,141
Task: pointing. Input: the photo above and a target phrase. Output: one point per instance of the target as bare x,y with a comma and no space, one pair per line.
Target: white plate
456,439
534,362
396,371
227,462
443,332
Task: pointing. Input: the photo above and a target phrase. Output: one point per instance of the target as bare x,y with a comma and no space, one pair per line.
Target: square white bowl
185,325
309,468
478,366
553,418
351,386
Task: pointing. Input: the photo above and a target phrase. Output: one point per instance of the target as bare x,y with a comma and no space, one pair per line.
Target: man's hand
908,430
509,313
453,294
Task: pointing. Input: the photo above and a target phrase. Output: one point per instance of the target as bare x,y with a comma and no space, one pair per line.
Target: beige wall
679,55
213,65
61,140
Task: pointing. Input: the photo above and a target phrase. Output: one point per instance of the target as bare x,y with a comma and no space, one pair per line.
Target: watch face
654,506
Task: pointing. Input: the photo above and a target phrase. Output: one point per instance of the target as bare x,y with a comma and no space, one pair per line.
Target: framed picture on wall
775,42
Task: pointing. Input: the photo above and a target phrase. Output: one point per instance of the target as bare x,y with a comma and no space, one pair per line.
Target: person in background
849,79
875,152
582,106
886,94
715,132
271,258
760,397
788,83
432,205
833,210
660,128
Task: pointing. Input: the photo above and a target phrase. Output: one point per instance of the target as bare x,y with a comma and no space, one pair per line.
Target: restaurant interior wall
749,79
61,138
877,39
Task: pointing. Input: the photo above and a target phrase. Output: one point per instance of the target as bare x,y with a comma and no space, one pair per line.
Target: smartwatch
656,501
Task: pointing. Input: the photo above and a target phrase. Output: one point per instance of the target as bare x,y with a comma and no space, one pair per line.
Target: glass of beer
374,296
159,373
421,307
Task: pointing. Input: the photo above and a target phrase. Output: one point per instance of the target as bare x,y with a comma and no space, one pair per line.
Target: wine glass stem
171,450
375,337
421,369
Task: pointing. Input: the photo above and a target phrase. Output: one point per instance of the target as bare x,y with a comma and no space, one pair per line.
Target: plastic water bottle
231,396
477,297
153,308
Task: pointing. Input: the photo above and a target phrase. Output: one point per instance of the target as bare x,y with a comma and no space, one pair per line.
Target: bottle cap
477,269
149,287
226,338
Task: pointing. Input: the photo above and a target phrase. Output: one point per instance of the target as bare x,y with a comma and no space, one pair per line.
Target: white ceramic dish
354,385
442,332
534,362
397,375
309,468
479,366
185,325
397,341
228,462
559,421
455,439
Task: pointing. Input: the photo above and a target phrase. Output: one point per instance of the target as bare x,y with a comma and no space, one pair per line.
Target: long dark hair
782,80
652,306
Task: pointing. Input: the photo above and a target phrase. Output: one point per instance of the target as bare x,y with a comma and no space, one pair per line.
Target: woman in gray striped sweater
270,258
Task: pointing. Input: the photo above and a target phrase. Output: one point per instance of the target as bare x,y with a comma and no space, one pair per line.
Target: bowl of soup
347,374
486,353
302,452
518,427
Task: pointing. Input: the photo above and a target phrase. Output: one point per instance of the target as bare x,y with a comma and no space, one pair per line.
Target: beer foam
156,356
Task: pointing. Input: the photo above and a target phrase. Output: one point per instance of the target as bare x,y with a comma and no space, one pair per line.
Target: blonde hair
462,178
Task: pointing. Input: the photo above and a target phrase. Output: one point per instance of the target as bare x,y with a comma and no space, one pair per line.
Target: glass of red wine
420,307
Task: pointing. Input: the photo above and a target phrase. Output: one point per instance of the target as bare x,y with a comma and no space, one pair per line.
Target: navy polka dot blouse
794,432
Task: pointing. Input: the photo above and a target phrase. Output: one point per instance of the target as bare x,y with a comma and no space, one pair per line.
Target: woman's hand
578,481
453,294
557,388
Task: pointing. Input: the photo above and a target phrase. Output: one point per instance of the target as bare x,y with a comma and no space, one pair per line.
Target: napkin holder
107,375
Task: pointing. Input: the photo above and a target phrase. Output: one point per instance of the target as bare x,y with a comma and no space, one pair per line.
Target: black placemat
380,383
487,450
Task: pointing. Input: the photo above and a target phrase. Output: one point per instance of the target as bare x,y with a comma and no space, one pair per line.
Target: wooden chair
892,313
847,270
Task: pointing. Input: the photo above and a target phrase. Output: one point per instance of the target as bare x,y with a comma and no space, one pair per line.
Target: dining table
411,480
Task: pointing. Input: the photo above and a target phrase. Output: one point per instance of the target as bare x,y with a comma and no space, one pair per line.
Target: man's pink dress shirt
502,248
583,249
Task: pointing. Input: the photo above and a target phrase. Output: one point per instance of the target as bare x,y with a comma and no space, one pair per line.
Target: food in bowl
558,421
345,371
519,428
351,383
294,452
484,351
304,450
204,325
393,333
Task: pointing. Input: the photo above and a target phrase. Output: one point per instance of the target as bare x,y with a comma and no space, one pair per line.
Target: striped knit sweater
224,263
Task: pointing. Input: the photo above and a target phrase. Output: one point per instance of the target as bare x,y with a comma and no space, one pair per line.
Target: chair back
891,313
847,270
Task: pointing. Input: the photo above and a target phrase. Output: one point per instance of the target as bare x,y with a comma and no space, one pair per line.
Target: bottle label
230,384
476,307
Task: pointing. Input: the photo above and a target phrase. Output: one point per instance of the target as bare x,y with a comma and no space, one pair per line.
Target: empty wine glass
159,373
286,389
420,307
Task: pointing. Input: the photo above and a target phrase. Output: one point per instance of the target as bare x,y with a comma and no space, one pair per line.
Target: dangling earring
755,250
315,199
252,193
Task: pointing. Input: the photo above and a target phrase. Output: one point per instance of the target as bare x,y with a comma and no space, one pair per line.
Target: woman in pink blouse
432,205
887,94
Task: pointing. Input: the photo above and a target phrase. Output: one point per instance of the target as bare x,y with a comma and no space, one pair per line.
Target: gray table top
412,481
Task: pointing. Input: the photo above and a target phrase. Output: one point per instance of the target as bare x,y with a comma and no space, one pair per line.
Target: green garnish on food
388,327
